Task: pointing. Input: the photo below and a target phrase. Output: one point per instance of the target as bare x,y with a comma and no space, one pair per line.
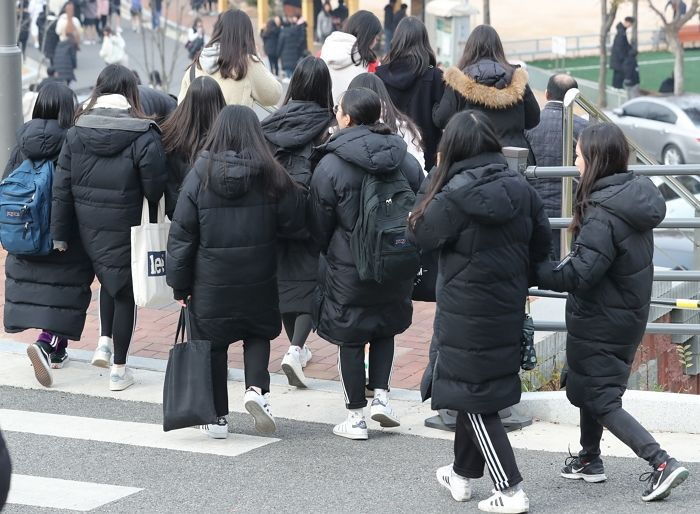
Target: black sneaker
661,480
577,468
38,354
58,360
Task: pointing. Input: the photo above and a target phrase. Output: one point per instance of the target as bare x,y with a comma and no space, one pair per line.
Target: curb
657,412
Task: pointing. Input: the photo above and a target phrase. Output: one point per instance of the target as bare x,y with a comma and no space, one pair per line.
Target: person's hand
182,297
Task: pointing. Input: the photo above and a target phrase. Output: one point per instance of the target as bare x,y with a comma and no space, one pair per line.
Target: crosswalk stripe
56,493
127,432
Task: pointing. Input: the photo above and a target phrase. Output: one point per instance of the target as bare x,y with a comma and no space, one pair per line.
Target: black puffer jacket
177,167
416,96
270,39
349,311
502,95
292,131
156,103
221,247
492,230
65,60
50,292
609,278
620,48
291,45
109,162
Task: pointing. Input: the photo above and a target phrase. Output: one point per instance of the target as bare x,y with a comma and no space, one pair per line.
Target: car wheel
672,155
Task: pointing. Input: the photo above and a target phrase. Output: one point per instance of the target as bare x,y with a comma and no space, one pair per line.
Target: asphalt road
307,470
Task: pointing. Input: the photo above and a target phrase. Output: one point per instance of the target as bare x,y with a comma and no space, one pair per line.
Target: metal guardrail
646,170
562,223
681,329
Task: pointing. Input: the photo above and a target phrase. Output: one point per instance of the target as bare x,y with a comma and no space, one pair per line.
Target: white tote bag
148,244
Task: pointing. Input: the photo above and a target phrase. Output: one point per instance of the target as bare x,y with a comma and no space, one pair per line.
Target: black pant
351,366
481,439
274,63
256,357
298,326
5,472
626,429
118,320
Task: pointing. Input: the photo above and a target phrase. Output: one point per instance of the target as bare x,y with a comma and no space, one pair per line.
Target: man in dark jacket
620,49
546,145
291,45
631,71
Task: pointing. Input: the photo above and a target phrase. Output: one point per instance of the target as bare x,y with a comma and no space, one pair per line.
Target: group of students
263,217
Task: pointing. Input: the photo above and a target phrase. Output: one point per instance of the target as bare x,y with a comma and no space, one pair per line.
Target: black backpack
379,245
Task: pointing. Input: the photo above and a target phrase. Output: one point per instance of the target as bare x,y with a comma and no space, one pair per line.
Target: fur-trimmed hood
476,89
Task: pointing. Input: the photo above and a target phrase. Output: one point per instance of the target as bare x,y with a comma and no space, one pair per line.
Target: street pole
10,81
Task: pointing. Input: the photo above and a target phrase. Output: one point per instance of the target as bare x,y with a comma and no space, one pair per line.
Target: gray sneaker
120,379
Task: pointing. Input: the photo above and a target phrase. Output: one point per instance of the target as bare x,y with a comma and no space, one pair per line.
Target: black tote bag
188,395
425,280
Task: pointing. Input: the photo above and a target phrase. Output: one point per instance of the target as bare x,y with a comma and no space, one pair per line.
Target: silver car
668,128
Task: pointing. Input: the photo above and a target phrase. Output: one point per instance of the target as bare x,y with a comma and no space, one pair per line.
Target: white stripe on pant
488,451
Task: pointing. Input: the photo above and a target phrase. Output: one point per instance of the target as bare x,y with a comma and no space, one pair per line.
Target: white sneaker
259,407
383,414
293,363
120,378
218,430
500,502
103,353
355,427
460,487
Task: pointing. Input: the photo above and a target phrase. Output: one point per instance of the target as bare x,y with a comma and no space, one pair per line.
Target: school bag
379,245
25,209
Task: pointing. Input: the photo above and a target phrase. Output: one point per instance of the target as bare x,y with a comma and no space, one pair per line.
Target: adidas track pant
481,439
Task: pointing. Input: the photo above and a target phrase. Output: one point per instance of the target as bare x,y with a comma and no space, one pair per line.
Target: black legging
298,326
351,365
118,320
256,357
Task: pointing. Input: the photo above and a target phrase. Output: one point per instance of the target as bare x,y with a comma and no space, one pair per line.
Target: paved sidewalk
155,332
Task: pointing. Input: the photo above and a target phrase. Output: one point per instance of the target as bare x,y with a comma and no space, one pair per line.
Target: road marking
55,493
127,432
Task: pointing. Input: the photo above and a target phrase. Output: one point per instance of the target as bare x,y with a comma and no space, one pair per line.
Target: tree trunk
678,64
603,65
635,32
487,12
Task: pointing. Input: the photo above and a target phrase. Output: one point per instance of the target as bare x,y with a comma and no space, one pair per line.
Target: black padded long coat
222,247
292,132
609,277
109,163
49,292
348,310
491,229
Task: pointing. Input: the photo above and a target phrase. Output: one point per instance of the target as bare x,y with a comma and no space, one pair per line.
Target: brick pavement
155,332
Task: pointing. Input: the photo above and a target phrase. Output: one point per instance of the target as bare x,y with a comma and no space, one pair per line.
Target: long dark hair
468,134
311,82
237,129
364,108
55,101
234,33
116,79
397,121
605,152
365,26
411,44
483,43
185,131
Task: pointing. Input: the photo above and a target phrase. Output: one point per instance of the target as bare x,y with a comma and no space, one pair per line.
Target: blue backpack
25,209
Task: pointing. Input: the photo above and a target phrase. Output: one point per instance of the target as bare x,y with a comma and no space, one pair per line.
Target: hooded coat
49,292
608,276
503,95
491,229
292,131
65,60
259,85
221,247
416,97
348,310
620,50
109,163
291,45
158,104
336,53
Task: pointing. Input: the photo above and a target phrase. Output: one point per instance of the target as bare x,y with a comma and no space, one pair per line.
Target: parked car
667,128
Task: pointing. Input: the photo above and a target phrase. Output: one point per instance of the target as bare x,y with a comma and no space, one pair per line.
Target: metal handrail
646,170
561,223
678,329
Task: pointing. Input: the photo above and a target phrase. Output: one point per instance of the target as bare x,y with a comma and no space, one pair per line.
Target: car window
660,113
637,109
694,114
690,183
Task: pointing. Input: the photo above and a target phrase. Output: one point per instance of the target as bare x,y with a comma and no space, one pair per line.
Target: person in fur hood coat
485,81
